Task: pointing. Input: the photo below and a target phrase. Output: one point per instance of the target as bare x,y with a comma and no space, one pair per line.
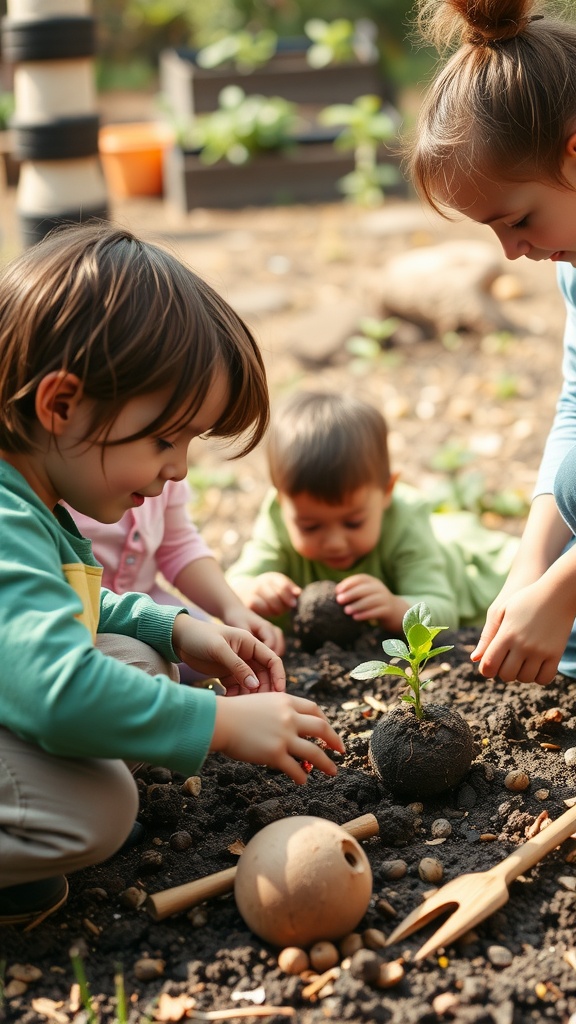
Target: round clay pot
302,879
419,758
318,617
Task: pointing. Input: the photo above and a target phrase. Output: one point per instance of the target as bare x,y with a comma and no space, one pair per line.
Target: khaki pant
60,814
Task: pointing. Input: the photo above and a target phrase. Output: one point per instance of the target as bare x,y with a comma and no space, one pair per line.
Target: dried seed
148,969
517,780
350,944
323,956
192,786
430,869
373,938
390,974
24,972
133,897
394,869
180,841
293,960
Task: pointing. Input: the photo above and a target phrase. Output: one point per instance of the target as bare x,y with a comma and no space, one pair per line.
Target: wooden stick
182,897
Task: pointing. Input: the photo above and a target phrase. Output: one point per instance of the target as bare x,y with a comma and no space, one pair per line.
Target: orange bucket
132,157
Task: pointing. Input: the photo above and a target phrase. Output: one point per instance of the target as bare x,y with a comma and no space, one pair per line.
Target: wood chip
487,837
373,702
537,824
570,957
312,990
242,1011
435,842
550,746
237,847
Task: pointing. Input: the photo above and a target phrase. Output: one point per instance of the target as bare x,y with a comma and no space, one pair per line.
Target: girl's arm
204,583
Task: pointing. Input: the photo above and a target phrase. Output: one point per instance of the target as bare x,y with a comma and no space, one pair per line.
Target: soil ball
318,617
421,757
301,880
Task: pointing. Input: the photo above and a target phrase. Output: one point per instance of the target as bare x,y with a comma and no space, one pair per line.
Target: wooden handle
535,849
182,897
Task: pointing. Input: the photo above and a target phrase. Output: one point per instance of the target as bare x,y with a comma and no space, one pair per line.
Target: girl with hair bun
496,141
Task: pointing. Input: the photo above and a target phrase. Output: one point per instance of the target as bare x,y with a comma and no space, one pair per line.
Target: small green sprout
420,635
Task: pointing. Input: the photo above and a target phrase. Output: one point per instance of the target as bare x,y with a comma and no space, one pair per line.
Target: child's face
336,535
105,485
532,218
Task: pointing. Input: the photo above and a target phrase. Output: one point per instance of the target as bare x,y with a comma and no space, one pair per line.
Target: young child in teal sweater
113,356
337,512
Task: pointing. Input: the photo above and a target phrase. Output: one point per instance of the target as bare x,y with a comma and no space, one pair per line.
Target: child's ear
570,147
392,481
57,396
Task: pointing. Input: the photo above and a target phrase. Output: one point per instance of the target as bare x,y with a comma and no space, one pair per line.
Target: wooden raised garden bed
307,173
190,89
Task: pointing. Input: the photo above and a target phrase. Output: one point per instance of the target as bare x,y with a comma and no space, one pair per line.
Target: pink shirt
157,537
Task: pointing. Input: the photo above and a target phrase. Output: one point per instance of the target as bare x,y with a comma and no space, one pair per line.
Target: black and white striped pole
51,44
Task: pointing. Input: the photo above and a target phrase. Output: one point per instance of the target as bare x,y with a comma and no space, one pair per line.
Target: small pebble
430,870
365,965
389,974
499,956
198,917
416,808
568,882
445,1002
151,860
323,956
24,972
350,944
293,960
570,756
441,828
517,780
180,841
161,775
133,897
192,786
542,794
149,969
392,870
373,938
15,988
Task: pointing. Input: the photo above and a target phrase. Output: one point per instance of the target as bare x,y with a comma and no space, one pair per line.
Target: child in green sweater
113,356
338,513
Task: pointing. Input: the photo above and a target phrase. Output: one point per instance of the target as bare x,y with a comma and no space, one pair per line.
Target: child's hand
524,638
270,594
272,636
270,728
235,656
364,597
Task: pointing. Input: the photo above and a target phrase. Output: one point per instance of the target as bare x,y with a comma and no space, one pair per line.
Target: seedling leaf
369,670
396,649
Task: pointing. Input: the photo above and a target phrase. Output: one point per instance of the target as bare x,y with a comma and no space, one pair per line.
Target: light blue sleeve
562,436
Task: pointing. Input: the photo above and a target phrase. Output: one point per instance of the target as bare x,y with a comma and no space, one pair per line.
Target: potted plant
253,150
192,80
10,164
417,750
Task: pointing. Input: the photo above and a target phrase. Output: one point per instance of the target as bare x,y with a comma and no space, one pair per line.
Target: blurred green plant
6,109
466,491
365,127
241,127
245,50
333,42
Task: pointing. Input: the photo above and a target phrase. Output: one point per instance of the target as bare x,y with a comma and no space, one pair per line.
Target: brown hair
128,318
504,103
327,445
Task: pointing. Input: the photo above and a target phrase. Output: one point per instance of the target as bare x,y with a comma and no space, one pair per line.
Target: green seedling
245,50
365,127
417,652
242,126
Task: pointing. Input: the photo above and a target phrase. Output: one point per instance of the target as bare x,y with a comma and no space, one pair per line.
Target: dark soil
210,954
